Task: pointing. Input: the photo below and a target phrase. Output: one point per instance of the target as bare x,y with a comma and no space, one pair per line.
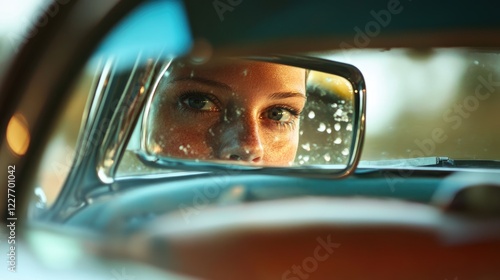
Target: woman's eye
279,114
201,103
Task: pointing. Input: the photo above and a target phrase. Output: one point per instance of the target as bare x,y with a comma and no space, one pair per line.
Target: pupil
197,103
276,114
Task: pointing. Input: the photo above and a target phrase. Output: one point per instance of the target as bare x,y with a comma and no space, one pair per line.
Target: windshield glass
429,103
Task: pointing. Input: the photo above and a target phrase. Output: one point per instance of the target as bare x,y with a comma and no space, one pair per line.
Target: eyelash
287,124
187,94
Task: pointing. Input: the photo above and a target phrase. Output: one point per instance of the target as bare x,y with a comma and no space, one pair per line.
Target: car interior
86,77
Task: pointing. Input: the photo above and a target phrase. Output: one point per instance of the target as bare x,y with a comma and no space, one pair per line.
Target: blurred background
19,21
15,17
430,102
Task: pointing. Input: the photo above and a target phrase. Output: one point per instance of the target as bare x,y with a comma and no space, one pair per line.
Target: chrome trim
100,88
104,75
145,117
125,117
164,175
358,127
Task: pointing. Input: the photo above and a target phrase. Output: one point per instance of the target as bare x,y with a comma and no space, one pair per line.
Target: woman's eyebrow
287,94
204,81
273,96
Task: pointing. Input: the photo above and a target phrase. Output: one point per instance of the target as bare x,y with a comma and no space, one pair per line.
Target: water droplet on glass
322,127
345,152
328,130
301,132
192,74
327,157
306,158
338,140
349,127
341,116
476,62
238,112
306,147
337,127
184,149
245,72
311,115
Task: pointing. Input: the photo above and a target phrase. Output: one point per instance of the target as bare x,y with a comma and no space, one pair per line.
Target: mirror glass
249,112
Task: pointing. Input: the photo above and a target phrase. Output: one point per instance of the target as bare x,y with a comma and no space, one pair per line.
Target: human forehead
237,68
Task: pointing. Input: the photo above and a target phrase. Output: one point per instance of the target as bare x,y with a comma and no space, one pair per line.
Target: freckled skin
238,121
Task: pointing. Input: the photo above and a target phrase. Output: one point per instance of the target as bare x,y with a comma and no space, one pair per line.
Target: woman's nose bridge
247,129
243,133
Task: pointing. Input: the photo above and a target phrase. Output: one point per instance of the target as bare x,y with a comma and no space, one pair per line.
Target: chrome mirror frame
141,83
347,71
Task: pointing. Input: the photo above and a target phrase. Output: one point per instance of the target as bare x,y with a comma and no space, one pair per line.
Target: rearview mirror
261,113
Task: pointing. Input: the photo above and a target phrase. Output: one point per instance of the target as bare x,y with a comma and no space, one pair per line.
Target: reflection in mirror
327,121
250,112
